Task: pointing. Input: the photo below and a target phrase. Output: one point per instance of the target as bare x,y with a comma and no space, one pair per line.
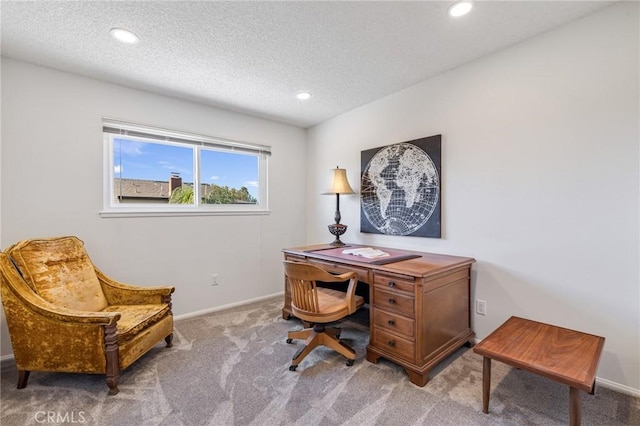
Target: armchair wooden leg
112,382
23,376
113,358
169,340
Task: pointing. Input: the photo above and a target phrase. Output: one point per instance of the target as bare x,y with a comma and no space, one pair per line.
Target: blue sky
156,161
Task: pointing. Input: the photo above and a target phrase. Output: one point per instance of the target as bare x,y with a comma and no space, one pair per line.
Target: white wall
540,179
52,180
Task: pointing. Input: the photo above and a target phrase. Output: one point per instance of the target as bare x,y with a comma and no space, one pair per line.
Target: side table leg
575,414
486,383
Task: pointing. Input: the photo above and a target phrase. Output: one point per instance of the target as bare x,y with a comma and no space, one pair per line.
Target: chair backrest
304,293
60,271
302,278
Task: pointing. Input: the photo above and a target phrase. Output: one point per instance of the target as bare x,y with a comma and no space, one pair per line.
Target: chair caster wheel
289,340
349,362
293,367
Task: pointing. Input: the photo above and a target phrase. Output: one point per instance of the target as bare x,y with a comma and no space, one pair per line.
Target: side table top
567,356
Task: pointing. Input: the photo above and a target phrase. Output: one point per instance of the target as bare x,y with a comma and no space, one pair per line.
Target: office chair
320,306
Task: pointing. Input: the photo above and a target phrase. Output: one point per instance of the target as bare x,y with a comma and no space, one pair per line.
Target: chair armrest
118,293
45,309
351,290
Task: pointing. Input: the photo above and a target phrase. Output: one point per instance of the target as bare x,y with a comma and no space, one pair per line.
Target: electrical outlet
214,279
481,307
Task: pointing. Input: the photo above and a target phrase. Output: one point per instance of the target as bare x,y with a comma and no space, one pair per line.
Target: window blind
137,130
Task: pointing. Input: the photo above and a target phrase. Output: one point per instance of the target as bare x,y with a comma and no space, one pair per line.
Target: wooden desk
560,354
419,307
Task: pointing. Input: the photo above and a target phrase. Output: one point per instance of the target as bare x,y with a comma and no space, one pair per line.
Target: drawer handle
391,323
392,301
391,284
391,343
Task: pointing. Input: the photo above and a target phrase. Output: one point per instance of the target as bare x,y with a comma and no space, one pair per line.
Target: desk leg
418,379
575,414
371,357
486,383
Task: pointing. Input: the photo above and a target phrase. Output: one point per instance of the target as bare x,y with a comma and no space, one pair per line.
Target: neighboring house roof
148,189
138,188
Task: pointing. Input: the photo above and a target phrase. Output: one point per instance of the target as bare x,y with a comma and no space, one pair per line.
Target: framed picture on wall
400,188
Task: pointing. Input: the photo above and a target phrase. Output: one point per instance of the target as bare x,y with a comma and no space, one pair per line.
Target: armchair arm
118,293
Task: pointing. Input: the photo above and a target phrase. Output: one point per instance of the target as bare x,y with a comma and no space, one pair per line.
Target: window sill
177,213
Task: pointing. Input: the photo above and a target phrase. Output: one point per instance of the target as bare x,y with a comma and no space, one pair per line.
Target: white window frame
117,129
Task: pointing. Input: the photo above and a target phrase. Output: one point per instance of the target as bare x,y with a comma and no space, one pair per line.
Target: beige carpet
231,368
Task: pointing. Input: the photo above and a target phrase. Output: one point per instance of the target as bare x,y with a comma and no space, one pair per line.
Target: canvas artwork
400,188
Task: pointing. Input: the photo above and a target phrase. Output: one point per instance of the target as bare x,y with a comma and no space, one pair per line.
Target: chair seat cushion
331,301
135,318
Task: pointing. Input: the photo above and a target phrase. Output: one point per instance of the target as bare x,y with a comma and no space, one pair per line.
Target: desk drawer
394,282
338,268
295,258
393,301
394,323
393,344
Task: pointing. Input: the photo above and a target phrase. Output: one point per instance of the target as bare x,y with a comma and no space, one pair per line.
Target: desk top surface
568,356
423,264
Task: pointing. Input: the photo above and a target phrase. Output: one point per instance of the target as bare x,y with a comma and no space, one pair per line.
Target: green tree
182,195
215,195
225,195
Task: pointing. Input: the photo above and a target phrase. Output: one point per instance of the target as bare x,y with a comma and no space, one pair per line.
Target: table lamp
339,185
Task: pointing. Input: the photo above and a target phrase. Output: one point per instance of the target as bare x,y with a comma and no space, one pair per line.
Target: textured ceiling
253,57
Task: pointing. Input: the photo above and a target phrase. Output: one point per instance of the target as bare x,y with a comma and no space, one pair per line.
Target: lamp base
337,229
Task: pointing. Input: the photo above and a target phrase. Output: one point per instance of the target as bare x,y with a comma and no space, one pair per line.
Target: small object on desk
366,252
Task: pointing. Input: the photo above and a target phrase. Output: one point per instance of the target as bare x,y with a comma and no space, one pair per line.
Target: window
153,171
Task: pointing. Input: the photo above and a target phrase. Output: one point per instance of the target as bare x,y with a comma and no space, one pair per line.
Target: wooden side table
566,356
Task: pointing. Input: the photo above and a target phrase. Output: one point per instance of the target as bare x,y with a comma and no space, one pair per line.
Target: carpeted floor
231,368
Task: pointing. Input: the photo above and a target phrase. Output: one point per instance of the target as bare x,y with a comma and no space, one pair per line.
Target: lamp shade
339,183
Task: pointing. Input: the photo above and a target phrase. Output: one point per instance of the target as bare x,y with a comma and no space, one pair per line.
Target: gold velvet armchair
65,315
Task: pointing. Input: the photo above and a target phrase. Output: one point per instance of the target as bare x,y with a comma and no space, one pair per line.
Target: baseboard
223,307
628,390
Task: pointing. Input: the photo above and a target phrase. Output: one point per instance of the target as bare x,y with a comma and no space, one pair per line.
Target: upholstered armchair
65,315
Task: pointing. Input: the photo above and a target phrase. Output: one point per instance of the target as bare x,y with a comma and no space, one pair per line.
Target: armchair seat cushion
135,318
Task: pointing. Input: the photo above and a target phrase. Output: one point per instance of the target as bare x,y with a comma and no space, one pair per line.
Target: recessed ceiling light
460,8
124,36
303,96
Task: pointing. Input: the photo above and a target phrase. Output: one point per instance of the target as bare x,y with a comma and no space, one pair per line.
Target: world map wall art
400,188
